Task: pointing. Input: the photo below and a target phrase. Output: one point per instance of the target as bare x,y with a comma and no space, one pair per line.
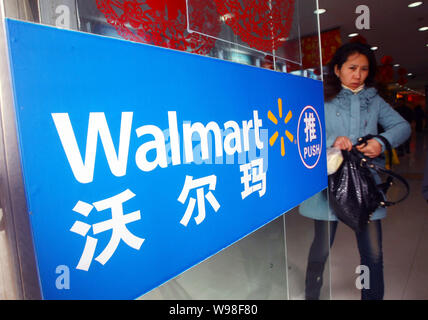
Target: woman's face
354,71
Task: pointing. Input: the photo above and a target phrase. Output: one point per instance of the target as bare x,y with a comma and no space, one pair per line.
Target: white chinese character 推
253,172
117,224
310,127
198,184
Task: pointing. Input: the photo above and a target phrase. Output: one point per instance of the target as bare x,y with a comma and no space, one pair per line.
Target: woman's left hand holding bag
371,149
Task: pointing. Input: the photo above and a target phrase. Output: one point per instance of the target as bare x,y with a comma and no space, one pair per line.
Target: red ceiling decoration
385,72
162,22
263,25
402,73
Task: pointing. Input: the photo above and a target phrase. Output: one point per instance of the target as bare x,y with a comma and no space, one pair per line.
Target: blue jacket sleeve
397,129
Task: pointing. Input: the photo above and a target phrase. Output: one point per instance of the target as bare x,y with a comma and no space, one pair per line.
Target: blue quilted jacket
356,115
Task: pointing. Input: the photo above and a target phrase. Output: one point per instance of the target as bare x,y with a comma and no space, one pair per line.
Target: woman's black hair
332,84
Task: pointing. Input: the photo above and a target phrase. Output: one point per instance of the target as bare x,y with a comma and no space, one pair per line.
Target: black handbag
353,192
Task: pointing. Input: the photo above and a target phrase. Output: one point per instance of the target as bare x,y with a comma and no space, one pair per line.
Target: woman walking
353,109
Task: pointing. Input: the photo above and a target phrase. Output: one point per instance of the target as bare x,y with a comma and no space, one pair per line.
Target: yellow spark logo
274,137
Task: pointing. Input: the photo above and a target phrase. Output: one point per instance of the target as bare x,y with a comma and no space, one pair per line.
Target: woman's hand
343,143
372,149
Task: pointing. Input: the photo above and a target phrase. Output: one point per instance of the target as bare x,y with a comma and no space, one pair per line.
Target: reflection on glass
252,268
268,27
25,10
159,22
280,35
263,25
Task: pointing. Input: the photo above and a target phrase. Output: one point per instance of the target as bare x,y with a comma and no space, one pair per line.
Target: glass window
281,35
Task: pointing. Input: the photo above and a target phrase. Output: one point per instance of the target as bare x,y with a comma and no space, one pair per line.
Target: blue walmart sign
140,162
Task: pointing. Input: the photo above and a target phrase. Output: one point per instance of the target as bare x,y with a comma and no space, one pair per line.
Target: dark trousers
370,248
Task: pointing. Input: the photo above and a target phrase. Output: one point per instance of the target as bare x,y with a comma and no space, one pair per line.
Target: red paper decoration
263,25
385,72
402,72
162,22
359,39
402,79
386,60
330,41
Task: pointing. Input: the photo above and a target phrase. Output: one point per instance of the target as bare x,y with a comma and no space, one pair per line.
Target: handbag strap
388,147
391,174
363,140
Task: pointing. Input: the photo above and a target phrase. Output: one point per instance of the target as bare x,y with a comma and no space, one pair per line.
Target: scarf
352,90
